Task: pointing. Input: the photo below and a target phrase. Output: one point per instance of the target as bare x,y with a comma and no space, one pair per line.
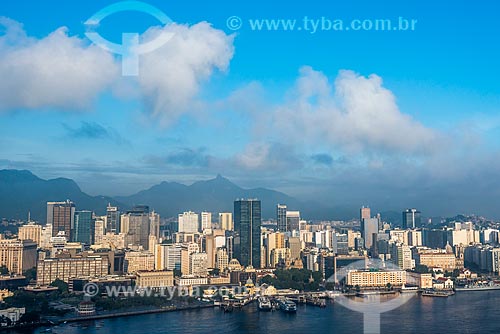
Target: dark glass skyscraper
247,221
281,217
84,227
411,218
113,219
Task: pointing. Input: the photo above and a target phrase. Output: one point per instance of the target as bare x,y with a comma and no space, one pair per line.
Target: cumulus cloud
354,113
58,71
61,71
171,77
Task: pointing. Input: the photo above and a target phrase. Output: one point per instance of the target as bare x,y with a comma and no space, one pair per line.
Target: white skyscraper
188,222
206,220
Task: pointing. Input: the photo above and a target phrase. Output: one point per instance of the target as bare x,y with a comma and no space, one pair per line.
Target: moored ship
264,304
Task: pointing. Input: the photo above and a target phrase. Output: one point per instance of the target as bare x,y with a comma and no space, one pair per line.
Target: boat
265,304
485,287
434,293
287,305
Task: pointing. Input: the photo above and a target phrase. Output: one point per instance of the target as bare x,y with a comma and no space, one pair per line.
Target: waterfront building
436,258
422,280
373,278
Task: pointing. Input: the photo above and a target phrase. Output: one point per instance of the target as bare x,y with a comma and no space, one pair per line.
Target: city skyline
258,108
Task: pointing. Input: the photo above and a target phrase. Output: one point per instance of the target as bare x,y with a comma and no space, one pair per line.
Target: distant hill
215,195
21,191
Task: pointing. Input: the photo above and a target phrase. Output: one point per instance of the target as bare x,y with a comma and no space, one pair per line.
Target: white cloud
58,71
354,113
171,77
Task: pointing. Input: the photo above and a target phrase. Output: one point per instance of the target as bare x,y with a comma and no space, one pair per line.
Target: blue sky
385,118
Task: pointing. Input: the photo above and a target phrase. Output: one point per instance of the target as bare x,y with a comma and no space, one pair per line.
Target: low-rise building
379,278
154,279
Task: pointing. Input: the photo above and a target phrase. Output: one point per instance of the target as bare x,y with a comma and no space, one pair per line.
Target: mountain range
21,192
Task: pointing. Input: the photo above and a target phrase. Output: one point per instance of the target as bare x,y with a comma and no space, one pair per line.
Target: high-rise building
293,220
17,255
30,231
45,236
154,224
273,241
411,218
112,219
99,230
364,213
136,226
369,226
84,227
281,217
168,257
188,222
222,259
247,221
226,221
61,215
206,220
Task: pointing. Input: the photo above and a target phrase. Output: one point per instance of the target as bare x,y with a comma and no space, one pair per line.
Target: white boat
265,304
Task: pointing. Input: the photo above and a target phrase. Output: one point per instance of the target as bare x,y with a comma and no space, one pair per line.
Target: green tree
4,270
61,285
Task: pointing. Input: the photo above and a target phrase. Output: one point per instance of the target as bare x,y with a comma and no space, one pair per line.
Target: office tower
369,226
17,255
226,221
281,217
45,236
222,259
213,241
206,220
364,213
84,227
340,243
401,255
188,222
154,224
411,218
295,246
136,226
30,231
61,216
247,221
137,261
99,231
293,220
168,257
186,252
112,219
273,241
